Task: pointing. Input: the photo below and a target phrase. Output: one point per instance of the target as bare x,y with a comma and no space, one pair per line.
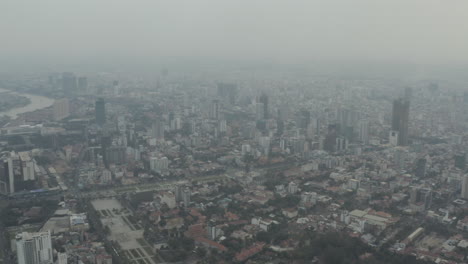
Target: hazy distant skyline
419,31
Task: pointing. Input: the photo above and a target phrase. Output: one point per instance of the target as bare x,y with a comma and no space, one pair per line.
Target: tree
201,252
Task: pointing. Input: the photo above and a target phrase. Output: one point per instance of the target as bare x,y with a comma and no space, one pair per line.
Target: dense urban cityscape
246,131
117,168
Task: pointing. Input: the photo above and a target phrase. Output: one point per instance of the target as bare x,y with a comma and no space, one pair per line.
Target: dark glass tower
100,111
400,120
264,101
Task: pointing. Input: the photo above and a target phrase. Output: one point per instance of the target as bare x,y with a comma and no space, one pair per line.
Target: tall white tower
464,192
34,248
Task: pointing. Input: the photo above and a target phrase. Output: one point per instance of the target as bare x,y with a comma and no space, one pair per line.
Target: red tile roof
210,243
249,252
197,230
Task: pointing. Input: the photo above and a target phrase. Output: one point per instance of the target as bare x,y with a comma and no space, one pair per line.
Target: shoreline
36,102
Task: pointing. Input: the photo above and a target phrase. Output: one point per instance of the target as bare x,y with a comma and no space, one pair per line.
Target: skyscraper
157,129
364,131
116,154
259,111
100,111
83,84
304,119
186,195
228,92
464,191
18,173
61,109
408,93
400,119
264,100
460,160
420,170
34,248
68,82
214,111
4,177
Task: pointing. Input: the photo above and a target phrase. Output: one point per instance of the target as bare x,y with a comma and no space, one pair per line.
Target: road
118,190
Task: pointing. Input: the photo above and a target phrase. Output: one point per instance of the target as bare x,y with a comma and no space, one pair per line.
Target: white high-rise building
159,164
186,196
214,111
62,258
169,199
393,138
464,192
222,126
245,149
61,109
364,131
27,165
292,188
34,248
157,129
176,124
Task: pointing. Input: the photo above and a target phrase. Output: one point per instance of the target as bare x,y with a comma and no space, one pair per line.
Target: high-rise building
222,126
311,131
460,160
157,129
465,97
329,143
159,165
422,197
83,84
408,93
211,230
464,191
27,166
347,119
420,170
283,112
292,188
17,172
426,195
364,131
178,189
228,92
14,172
69,82
393,138
259,111
62,258
400,120
264,100
116,154
214,111
341,144
61,109
100,111
186,196
4,177
304,119
34,248
399,157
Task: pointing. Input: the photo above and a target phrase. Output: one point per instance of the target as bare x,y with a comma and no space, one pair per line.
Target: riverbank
36,102
9,101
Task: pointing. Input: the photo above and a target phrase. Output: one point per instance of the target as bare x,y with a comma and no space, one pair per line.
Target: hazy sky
405,30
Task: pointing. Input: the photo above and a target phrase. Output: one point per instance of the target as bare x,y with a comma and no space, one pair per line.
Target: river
37,102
